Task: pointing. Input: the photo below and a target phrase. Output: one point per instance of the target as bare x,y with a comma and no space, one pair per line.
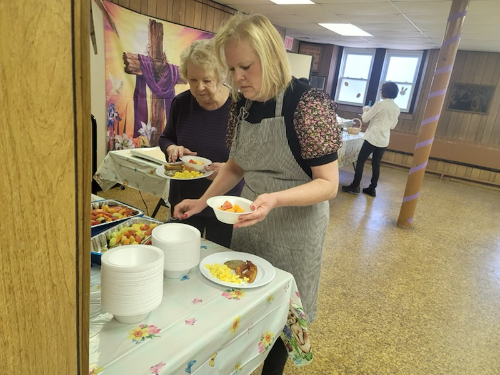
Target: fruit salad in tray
132,231
107,213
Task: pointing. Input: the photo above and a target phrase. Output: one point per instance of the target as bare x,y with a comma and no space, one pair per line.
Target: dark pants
276,359
214,230
365,151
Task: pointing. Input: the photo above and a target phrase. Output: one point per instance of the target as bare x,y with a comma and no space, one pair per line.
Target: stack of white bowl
181,247
131,281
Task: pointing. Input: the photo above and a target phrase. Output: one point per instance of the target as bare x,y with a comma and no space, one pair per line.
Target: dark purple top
201,131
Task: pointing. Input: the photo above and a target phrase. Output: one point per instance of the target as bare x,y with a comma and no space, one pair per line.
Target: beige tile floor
424,300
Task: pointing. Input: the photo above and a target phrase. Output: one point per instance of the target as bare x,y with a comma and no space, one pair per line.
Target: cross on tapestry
142,74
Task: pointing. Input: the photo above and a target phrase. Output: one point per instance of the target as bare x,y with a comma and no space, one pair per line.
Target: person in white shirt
383,117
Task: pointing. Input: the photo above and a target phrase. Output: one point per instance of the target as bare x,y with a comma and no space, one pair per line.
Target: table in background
121,167
200,327
349,151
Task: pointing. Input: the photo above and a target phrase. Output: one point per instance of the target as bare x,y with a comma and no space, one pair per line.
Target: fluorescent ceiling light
345,29
288,2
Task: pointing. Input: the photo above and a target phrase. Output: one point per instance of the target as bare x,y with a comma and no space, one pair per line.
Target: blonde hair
267,44
202,53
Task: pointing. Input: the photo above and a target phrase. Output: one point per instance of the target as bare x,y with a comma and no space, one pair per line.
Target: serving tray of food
107,213
132,231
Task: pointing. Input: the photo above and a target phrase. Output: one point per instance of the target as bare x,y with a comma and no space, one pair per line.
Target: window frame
414,83
340,76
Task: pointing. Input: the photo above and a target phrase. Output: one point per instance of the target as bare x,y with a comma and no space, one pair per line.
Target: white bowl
175,233
182,251
154,286
180,244
131,305
228,217
132,258
175,274
189,256
118,307
181,266
131,319
186,159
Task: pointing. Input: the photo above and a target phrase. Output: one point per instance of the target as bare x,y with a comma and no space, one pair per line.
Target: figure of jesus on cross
153,71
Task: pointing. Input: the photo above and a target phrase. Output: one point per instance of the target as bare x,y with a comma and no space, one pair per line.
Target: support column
432,111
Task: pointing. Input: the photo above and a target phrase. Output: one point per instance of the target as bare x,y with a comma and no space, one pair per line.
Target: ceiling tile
428,7
369,9
437,19
314,13
357,20
301,26
391,22
347,1
278,18
484,7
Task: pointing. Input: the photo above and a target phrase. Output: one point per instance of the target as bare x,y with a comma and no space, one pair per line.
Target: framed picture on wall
466,97
313,50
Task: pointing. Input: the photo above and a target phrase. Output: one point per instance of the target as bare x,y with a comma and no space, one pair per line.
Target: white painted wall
301,65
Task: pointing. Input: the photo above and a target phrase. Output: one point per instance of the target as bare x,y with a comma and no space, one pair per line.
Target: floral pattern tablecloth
120,167
200,327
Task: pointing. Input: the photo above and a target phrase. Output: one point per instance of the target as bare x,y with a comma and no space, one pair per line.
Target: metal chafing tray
96,229
99,242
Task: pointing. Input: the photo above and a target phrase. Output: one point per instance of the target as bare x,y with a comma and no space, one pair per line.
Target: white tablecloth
123,168
349,151
200,327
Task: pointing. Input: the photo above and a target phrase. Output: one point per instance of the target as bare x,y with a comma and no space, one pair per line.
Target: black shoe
370,191
351,189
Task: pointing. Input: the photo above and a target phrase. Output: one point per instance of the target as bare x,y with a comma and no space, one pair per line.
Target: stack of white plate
131,281
181,247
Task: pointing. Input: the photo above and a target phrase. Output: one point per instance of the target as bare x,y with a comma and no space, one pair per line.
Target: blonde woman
283,139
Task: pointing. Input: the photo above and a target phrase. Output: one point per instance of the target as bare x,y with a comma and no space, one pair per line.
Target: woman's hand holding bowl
260,209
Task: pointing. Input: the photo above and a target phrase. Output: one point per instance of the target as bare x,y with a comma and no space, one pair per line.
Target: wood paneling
135,5
45,188
447,169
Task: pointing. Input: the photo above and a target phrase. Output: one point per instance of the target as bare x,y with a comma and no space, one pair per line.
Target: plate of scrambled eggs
183,174
214,269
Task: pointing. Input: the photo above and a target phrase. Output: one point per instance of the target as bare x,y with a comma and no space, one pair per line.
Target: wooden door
45,185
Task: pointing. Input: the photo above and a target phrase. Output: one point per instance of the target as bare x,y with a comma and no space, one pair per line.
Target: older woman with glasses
197,126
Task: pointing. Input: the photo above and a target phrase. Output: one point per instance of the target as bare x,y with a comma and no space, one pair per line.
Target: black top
201,131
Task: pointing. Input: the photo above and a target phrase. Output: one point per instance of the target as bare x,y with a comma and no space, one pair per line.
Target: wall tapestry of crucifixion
142,74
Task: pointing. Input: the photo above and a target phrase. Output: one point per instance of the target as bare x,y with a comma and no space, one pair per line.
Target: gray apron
290,238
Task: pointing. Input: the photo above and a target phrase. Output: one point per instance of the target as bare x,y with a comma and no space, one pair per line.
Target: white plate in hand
160,171
265,270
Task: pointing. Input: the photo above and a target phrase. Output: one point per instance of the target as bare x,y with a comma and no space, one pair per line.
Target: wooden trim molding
452,150
83,180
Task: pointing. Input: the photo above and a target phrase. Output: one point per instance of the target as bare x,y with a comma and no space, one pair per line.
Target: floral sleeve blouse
316,135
